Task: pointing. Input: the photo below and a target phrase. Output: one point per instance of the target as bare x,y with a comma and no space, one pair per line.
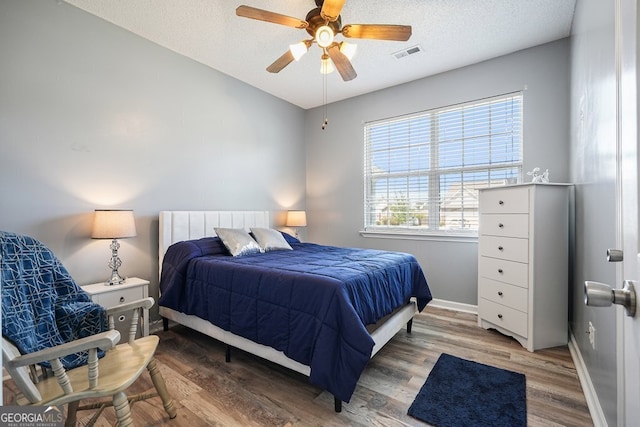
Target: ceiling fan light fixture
298,50
323,24
324,36
348,49
326,67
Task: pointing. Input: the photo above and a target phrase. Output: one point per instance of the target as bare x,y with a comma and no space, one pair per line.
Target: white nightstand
130,290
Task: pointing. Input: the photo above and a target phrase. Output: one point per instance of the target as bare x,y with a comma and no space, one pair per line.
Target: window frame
435,173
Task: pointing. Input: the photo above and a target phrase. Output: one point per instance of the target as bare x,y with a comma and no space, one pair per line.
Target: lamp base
115,279
114,263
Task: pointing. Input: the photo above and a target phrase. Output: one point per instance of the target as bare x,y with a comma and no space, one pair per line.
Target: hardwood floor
252,392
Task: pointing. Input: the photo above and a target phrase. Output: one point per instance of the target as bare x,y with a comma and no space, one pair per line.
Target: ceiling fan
323,23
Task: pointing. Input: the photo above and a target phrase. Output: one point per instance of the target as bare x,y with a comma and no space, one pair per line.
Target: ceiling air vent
408,51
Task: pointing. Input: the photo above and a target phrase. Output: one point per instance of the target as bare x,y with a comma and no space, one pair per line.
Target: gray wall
593,170
335,156
92,116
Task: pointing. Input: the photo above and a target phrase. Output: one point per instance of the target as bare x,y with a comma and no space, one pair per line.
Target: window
423,170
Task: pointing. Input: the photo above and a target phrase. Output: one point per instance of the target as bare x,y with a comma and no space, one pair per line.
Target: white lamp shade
296,219
113,224
348,49
326,67
298,50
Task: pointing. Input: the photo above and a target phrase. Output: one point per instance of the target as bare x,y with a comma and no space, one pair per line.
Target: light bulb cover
324,36
326,66
348,49
298,50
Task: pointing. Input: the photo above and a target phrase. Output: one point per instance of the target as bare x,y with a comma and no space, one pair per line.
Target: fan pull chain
324,101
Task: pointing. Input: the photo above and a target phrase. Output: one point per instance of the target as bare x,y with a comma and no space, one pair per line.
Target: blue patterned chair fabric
42,306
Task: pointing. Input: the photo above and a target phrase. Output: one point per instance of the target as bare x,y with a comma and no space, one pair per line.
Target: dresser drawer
516,273
509,225
511,248
111,299
508,200
503,293
503,316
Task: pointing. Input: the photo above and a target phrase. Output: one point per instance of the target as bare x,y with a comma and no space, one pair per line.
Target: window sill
408,235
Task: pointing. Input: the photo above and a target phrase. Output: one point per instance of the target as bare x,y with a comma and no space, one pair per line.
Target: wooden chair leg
161,388
72,412
123,410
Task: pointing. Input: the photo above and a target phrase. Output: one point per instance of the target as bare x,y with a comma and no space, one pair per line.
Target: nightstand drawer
516,273
112,299
509,225
505,317
503,293
510,248
507,200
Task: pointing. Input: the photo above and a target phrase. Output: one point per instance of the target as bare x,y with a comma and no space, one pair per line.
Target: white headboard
176,226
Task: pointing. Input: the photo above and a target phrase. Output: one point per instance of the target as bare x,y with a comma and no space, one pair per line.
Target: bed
319,310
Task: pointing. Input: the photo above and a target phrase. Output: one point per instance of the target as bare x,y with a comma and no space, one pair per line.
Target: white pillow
270,239
237,241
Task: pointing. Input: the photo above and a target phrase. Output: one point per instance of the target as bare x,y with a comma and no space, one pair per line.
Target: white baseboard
452,305
595,409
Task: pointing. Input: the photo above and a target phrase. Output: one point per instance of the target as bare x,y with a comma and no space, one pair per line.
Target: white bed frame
176,226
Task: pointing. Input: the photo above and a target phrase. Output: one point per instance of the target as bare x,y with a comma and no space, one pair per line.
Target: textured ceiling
450,33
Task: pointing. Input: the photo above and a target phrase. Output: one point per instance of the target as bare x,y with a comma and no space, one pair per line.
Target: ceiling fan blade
342,63
377,31
281,62
331,9
267,16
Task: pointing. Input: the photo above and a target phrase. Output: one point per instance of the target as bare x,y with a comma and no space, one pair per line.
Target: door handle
615,255
600,295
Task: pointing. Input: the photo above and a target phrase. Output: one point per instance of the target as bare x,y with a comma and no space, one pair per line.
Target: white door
627,209
628,327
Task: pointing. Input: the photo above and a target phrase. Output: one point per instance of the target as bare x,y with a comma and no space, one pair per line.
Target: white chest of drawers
523,262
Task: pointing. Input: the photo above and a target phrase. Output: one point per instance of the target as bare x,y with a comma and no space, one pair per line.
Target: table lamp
295,219
113,224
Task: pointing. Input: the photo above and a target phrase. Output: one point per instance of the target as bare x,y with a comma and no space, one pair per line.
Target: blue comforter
312,303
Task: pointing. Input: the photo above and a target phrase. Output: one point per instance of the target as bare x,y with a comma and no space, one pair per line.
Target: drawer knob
501,202
500,248
501,225
499,316
500,271
121,318
121,300
499,293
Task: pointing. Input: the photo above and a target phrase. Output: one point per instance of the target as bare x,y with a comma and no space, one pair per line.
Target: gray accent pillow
237,241
270,239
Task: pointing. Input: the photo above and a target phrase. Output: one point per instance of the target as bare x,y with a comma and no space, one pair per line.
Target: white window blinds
422,170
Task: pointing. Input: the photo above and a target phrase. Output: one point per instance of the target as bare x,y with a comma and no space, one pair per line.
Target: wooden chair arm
103,341
145,303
